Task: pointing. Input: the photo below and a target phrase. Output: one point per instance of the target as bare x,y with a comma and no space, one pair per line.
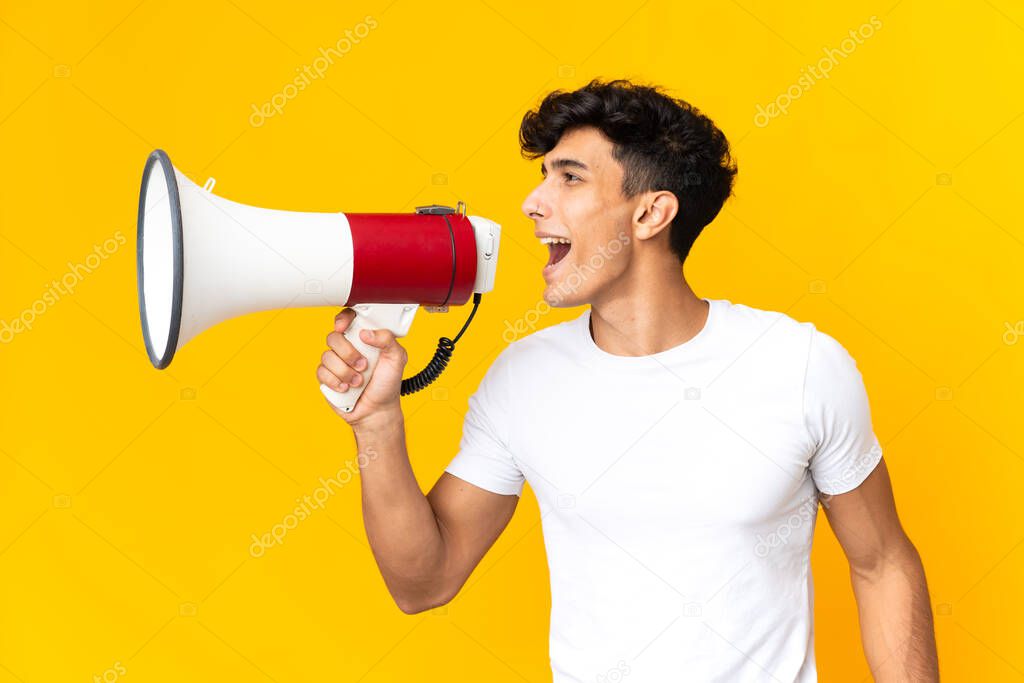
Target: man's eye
569,177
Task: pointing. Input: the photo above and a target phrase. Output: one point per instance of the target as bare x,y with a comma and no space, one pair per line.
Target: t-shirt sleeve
485,458
838,418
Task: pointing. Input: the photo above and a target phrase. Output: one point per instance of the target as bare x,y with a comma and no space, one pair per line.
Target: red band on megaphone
411,258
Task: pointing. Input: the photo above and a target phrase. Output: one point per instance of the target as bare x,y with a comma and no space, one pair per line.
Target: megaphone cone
203,259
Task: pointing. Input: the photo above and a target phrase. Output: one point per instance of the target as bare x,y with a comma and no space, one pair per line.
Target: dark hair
661,142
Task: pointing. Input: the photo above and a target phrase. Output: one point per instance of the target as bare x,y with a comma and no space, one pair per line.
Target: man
678,446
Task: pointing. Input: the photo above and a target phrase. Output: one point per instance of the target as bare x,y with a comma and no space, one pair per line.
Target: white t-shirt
677,490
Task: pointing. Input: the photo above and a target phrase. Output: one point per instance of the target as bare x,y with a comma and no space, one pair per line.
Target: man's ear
654,214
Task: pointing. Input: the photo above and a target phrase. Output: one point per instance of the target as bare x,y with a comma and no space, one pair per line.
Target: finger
387,343
326,377
345,350
344,319
340,369
382,339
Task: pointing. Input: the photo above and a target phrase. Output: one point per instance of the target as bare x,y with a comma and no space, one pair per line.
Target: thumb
382,339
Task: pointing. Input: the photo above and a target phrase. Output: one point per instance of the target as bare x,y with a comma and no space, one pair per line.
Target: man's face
581,200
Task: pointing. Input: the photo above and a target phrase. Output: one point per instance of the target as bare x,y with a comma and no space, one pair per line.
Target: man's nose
534,206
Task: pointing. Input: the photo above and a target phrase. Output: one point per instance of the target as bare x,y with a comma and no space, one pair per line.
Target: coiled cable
445,348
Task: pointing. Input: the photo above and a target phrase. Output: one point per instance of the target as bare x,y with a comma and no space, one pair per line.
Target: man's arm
425,546
888,581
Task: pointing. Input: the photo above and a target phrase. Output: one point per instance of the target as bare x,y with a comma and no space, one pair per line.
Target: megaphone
203,259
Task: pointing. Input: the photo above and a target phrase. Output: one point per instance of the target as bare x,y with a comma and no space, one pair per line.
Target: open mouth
558,247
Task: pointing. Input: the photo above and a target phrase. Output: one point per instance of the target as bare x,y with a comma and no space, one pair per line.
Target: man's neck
647,315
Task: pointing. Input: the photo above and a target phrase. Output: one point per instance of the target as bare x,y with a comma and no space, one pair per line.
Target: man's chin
557,297
564,285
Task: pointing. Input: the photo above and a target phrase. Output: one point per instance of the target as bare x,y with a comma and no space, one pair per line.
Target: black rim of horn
161,358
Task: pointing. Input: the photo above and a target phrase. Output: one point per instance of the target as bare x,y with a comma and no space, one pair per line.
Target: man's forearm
896,619
399,520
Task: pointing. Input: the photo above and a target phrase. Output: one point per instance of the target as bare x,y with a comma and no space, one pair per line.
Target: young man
678,446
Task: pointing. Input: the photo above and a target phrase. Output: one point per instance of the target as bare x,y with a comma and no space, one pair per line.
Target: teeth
554,240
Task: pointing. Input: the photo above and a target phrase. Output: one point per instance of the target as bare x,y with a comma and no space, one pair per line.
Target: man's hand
341,366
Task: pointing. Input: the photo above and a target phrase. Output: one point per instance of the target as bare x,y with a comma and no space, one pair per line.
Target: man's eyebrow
563,163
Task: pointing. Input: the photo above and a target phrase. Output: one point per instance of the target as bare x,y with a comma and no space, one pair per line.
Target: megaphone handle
394,317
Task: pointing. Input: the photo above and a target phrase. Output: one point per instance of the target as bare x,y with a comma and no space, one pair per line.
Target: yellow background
884,207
